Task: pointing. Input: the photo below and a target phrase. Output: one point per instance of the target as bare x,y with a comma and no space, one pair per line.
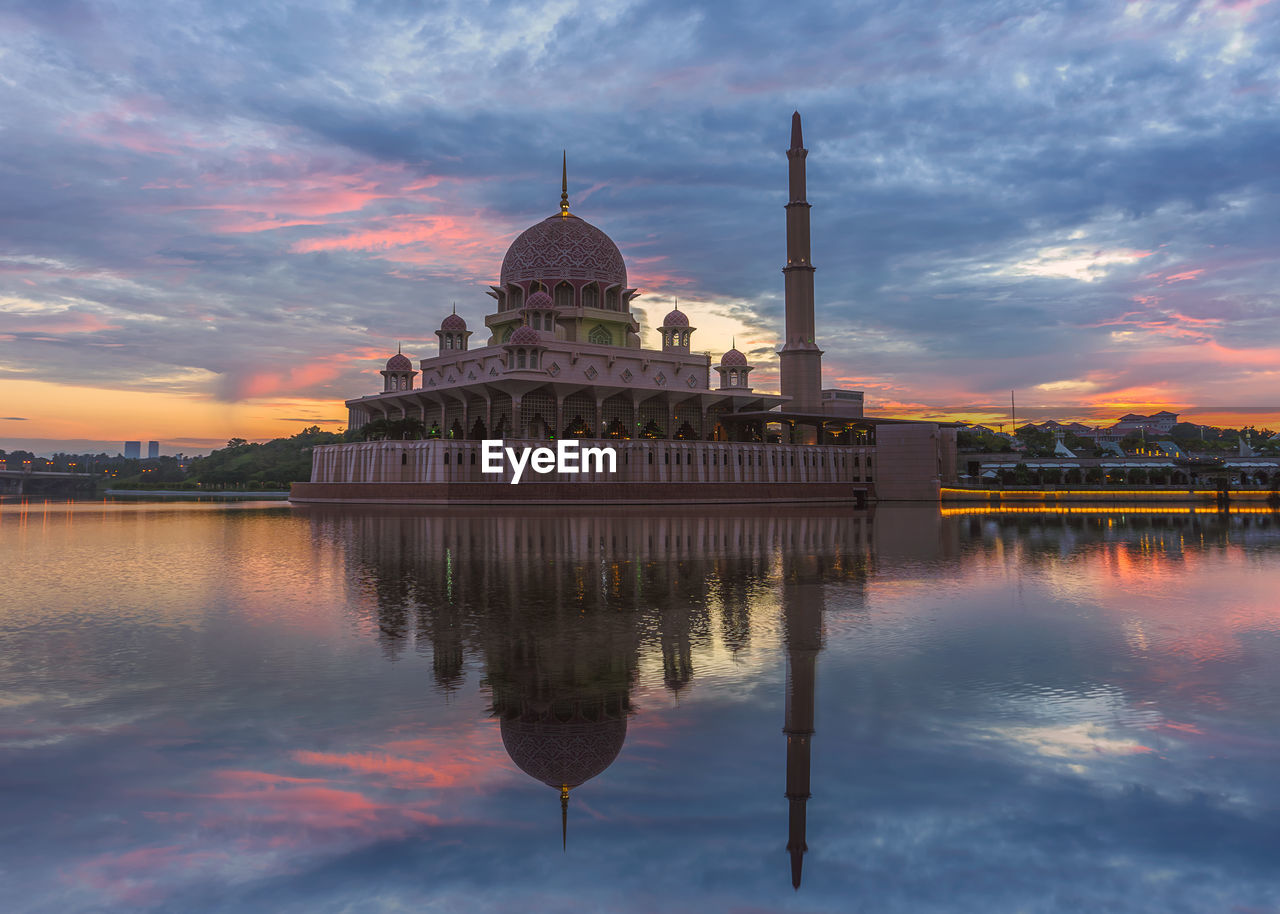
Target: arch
600,335
564,296
506,334
733,377
684,338
515,297
448,341
520,358
591,295
478,430
612,299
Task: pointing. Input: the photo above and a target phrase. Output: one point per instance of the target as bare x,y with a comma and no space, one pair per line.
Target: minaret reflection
802,604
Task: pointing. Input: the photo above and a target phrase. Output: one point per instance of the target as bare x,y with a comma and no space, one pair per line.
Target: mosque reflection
560,611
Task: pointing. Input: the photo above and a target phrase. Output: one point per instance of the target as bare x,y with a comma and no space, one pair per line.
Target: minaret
802,627
800,357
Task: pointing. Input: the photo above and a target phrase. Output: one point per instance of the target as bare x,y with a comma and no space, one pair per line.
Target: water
253,707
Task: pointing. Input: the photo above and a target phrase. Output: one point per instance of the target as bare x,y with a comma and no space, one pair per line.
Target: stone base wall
911,460
561,493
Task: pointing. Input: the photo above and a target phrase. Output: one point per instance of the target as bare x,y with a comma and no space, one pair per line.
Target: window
506,334
520,358
611,300
733,377
564,296
591,296
448,341
684,338
600,336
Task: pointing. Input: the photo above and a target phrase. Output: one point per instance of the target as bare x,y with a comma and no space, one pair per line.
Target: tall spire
800,359
564,817
564,183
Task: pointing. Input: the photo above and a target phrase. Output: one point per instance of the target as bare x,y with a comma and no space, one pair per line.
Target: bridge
37,482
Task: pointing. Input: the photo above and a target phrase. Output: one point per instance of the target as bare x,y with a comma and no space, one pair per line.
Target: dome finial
564,183
398,344
677,304
455,307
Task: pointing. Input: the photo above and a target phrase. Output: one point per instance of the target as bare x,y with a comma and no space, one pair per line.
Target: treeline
270,465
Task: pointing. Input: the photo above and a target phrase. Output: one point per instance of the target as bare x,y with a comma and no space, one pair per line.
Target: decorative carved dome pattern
524,336
733,357
453,322
676,319
563,752
564,247
539,301
399,362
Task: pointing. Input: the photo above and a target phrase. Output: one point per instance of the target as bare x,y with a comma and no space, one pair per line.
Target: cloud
220,209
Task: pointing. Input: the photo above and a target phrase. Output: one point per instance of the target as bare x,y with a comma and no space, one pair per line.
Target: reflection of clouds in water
978,740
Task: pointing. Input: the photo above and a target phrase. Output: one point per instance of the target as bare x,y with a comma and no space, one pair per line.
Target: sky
218,219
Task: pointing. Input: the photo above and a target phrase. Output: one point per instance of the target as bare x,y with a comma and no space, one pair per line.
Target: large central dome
564,247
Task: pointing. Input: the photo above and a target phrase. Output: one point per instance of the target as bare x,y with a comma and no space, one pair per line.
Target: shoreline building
564,360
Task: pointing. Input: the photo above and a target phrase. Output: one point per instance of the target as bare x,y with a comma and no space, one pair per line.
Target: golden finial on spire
564,183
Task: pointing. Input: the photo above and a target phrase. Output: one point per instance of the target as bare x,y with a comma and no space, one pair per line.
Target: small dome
539,301
676,318
732,358
524,336
399,362
453,322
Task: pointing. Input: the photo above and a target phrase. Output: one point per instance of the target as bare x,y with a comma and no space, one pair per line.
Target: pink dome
733,358
399,362
524,336
453,322
564,247
676,318
540,301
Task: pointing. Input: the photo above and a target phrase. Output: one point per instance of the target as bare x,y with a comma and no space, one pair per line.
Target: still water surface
261,708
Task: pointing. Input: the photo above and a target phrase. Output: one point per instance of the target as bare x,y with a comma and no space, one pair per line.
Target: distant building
133,449
1161,423
153,449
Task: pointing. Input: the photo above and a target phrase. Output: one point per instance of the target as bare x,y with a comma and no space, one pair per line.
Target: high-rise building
153,450
133,449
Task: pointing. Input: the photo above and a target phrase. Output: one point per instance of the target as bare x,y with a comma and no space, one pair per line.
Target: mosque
564,361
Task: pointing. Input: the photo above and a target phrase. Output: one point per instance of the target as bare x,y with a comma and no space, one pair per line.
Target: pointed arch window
733,377
600,335
564,296
591,296
520,358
